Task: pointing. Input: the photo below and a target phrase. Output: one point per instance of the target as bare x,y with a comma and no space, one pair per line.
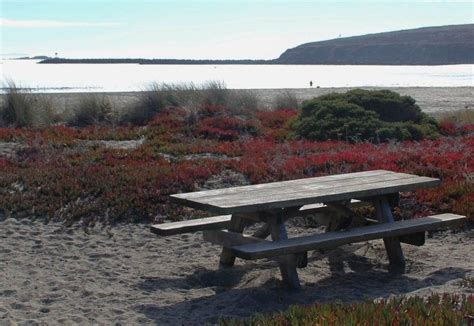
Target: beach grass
91,109
21,108
465,116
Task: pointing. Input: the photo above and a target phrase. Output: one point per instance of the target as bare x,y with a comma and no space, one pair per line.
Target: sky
226,29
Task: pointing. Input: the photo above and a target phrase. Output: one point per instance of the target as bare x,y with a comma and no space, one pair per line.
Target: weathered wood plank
222,222
237,224
208,223
335,239
311,184
414,239
316,188
281,184
392,244
229,239
307,194
288,270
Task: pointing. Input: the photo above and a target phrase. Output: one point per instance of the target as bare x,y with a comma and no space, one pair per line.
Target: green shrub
391,106
364,115
335,119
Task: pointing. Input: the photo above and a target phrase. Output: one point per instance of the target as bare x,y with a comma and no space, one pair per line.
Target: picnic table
330,199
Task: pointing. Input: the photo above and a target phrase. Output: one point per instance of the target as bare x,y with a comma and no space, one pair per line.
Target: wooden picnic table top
301,192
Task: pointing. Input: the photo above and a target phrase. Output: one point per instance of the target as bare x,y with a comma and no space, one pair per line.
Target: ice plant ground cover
71,174
434,310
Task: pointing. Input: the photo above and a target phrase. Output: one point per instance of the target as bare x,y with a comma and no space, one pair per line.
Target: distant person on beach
310,83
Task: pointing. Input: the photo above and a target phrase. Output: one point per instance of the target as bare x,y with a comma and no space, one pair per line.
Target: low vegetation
437,309
92,109
467,282
190,97
178,152
21,108
464,116
360,115
285,100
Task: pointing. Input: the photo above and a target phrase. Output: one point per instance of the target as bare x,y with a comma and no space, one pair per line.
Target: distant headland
443,45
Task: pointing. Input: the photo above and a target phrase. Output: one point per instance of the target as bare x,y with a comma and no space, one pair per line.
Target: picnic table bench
330,199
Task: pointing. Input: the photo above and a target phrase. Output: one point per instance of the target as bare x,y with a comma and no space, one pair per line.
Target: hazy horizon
203,29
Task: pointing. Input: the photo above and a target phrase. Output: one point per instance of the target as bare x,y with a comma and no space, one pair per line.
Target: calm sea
134,77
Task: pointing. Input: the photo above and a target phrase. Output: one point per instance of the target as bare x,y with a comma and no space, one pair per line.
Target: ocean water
134,77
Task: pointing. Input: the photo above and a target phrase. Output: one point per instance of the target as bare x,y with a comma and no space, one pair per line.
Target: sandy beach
127,275
432,100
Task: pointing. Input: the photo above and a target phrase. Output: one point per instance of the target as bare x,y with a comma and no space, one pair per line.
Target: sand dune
127,275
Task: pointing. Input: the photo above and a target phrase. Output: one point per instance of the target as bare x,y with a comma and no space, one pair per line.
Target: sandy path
128,275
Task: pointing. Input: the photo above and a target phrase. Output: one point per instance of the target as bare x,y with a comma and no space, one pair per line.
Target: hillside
423,46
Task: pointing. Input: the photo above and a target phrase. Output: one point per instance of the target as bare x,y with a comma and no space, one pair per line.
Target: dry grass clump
91,109
243,102
464,116
190,97
21,108
155,98
214,93
285,100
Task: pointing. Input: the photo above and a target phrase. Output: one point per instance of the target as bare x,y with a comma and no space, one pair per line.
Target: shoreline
432,100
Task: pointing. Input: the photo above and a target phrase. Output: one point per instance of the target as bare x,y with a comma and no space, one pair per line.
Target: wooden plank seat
199,224
334,239
223,221
227,239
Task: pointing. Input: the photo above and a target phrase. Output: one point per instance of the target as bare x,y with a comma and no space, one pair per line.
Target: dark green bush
335,119
364,115
391,106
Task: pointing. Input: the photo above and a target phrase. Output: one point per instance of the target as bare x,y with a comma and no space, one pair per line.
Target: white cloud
14,23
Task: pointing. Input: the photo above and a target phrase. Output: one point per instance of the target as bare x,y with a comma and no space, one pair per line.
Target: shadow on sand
232,295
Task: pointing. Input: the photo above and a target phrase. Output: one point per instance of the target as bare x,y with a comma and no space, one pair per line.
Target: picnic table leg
288,270
392,245
264,231
237,224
